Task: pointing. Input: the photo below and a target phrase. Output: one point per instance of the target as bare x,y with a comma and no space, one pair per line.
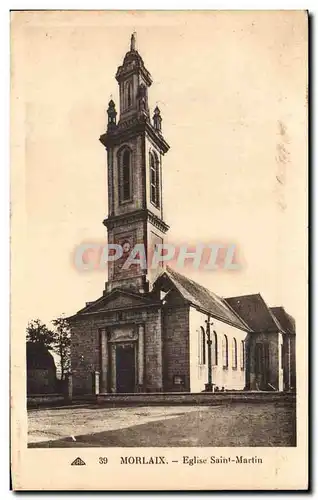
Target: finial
112,113
111,102
157,119
133,41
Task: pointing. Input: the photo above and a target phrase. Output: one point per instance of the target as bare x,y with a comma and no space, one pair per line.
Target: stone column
103,360
96,382
141,354
69,387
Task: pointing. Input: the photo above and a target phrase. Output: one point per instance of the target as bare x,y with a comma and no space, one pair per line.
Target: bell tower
135,149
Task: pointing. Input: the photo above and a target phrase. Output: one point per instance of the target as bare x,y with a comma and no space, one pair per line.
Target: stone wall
41,381
176,367
202,398
85,350
275,366
84,354
153,350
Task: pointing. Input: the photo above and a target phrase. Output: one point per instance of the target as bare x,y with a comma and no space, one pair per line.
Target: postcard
159,308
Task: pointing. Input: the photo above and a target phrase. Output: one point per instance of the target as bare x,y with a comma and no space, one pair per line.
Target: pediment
115,300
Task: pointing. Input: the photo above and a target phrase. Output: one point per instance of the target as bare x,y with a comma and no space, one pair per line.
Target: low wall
162,399
202,398
44,399
50,400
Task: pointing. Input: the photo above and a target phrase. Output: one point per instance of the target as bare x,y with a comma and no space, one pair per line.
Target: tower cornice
114,221
130,128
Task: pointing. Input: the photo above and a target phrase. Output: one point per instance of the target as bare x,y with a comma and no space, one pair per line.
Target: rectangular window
179,380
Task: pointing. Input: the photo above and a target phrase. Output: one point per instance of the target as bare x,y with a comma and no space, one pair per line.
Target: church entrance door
125,368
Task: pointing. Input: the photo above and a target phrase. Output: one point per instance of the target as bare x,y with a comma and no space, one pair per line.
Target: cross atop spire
133,41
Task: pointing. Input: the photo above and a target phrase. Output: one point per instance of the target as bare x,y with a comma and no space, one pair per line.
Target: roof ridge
282,314
196,283
219,301
237,315
243,296
276,321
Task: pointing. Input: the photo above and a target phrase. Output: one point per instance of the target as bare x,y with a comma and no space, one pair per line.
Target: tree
38,332
62,343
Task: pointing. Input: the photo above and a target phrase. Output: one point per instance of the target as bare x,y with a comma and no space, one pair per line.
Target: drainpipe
209,386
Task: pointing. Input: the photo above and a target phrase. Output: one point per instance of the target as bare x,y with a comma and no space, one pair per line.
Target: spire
133,41
133,63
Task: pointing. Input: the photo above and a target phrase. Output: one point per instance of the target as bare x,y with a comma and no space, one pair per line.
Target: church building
160,331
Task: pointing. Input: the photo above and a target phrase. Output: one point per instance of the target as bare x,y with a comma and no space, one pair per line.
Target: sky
232,92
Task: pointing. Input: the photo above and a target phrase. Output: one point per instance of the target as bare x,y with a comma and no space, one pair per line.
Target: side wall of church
176,368
275,365
225,372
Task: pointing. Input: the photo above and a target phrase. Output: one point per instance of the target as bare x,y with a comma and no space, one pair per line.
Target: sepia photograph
159,199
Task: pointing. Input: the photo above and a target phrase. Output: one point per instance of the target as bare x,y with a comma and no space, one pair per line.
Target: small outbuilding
41,369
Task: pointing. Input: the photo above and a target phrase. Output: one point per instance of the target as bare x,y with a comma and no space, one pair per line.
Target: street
239,424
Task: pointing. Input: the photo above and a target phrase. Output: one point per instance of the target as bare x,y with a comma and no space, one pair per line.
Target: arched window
154,180
225,352
129,95
215,349
242,357
234,354
202,349
125,190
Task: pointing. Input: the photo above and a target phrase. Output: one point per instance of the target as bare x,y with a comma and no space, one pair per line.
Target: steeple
135,148
134,81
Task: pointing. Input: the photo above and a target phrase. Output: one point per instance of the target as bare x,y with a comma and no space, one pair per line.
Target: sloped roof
203,298
286,321
255,312
39,357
